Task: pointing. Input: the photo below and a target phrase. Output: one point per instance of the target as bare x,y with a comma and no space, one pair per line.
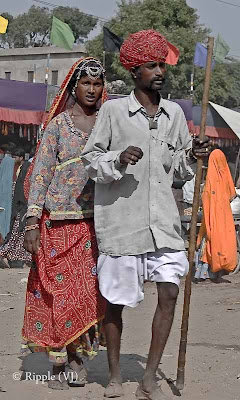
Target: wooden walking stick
193,229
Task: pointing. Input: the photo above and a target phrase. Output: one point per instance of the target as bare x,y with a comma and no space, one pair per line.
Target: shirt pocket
165,150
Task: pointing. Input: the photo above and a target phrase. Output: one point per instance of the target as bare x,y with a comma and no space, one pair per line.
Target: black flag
111,42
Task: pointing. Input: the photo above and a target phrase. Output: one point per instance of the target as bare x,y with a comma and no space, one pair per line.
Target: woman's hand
32,241
32,237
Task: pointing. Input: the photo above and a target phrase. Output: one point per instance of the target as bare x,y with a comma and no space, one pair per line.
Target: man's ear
133,72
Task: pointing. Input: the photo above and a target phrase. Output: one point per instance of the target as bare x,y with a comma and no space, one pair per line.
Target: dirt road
213,358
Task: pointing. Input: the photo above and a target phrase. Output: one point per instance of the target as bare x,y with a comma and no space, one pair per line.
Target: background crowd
13,206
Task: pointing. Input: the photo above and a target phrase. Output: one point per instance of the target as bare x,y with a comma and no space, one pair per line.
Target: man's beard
154,80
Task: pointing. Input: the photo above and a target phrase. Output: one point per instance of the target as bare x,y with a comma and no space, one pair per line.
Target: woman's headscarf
61,102
218,228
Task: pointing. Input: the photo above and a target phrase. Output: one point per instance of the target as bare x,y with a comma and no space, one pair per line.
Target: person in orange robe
217,237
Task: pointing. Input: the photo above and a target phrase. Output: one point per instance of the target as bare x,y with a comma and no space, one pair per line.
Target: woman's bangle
31,227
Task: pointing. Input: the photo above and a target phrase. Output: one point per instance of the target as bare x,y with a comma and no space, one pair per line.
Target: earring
73,93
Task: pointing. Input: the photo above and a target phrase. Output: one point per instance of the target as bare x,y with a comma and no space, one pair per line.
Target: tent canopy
232,118
216,126
20,95
24,102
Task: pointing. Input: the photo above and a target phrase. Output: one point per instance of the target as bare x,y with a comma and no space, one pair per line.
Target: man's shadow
132,368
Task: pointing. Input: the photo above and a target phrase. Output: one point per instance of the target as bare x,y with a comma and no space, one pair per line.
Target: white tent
232,118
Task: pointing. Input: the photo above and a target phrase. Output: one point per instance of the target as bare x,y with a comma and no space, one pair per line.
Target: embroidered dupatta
62,101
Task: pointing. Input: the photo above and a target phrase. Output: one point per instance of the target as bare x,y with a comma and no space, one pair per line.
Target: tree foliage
224,87
179,23
32,29
233,73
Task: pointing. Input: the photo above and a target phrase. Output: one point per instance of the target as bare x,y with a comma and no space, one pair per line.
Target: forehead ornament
93,71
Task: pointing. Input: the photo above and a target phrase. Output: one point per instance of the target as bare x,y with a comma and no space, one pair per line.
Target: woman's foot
3,263
58,380
77,375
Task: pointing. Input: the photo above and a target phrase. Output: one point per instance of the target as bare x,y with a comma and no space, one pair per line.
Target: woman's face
89,91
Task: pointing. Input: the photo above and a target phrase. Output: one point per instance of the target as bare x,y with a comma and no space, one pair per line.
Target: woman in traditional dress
217,246
63,304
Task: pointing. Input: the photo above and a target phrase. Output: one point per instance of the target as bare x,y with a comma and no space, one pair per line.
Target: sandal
56,383
3,263
157,394
113,390
77,378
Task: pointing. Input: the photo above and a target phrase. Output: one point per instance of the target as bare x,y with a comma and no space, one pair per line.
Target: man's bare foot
58,379
156,394
114,389
149,383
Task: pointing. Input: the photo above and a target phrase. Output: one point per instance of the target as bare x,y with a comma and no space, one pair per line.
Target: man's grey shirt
135,211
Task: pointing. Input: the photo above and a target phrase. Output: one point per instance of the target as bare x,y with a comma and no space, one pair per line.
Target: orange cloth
220,251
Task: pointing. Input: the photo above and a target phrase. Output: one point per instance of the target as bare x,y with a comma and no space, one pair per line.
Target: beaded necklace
72,126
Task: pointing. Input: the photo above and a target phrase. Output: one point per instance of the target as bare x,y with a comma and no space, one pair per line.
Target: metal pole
193,229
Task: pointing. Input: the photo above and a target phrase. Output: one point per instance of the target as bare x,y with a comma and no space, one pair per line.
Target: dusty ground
213,358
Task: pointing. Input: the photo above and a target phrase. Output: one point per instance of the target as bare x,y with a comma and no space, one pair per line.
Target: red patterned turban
145,46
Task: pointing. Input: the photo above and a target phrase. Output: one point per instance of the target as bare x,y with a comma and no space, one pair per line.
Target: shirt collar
134,105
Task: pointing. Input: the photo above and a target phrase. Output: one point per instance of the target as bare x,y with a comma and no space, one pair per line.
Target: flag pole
34,73
47,69
193,230
104,59
192,83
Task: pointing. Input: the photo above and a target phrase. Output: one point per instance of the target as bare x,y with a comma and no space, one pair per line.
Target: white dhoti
121,279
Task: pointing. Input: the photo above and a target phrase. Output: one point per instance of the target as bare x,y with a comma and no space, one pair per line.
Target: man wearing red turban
138,144
145,46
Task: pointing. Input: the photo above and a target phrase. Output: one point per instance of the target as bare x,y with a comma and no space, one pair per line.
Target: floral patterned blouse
59,182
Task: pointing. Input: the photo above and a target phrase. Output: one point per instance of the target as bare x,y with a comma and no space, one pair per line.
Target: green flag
61,34
220,50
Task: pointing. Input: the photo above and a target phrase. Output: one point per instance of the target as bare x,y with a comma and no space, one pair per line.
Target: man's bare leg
113,331
161,326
